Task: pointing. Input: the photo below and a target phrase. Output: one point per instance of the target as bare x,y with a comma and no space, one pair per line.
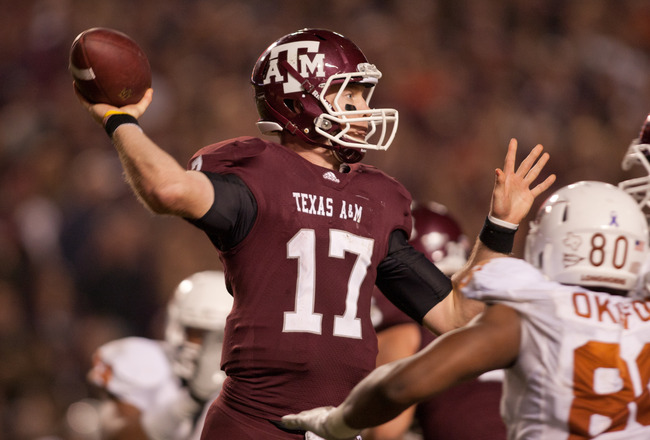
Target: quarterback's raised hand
513,196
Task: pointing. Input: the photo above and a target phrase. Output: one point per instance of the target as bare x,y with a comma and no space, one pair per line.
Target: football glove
326,422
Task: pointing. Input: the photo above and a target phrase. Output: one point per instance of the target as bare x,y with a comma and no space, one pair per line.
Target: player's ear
294,105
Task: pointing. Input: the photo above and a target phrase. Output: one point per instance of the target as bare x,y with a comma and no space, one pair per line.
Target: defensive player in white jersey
576,349
160,390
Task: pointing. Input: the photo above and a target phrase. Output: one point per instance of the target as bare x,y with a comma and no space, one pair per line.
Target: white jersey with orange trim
584,362
138,371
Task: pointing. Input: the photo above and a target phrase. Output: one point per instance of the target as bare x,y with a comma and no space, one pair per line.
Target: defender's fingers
537,168
511,155
530,160
546,184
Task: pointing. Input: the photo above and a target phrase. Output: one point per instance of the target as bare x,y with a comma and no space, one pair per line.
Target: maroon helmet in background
469,410
438,236
293,76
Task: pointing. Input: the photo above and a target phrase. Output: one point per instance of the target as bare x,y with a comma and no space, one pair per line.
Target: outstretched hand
99,110
326,422
512,196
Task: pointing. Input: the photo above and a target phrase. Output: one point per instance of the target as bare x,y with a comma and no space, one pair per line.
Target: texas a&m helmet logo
306,64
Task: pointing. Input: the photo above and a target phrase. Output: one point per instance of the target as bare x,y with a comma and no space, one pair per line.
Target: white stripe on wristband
503,223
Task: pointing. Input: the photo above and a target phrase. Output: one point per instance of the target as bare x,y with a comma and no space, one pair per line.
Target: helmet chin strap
349,155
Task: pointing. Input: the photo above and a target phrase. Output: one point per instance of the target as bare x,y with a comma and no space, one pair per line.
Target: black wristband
497,238
117,119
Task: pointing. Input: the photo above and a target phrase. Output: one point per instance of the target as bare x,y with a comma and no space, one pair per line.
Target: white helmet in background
589,234
638,154
202,302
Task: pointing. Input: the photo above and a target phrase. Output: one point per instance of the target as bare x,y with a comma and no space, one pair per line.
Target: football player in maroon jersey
305,231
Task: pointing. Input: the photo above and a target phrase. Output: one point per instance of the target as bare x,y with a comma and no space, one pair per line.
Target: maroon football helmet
438,236
291,79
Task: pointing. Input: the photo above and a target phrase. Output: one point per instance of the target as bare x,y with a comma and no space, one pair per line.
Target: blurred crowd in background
82,262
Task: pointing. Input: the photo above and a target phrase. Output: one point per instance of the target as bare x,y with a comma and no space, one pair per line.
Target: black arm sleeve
409,280
232,213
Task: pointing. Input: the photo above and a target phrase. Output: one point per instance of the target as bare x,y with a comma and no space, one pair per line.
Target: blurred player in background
469,411
638,156
160,390
574,346
305,231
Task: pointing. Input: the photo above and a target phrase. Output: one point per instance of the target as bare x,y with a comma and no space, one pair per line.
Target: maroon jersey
299,334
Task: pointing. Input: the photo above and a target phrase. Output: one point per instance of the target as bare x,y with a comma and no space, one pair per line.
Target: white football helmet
589,234
638,153
202,302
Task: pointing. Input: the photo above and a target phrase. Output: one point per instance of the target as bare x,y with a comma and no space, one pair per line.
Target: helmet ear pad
294,112
546,260
294,106
303,109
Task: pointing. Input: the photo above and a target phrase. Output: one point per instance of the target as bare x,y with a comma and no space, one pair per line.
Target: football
109,67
